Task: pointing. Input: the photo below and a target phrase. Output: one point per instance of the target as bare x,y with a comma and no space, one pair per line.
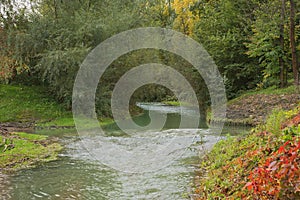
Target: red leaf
249,186
281,149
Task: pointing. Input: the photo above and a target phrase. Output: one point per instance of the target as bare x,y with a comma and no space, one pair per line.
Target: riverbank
28,105
253,107
24,108
19,150
261,165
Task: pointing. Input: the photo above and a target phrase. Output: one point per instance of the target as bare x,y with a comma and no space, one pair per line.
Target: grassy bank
23,106
31,105
261,165
176,103
23,150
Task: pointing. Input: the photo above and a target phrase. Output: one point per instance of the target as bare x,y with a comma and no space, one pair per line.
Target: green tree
266,44
295,66
60,34
274,41
13,21
224,28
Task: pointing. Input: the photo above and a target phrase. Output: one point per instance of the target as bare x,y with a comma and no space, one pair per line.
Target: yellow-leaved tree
185,18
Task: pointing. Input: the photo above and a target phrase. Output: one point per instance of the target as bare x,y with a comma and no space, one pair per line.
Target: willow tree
13,21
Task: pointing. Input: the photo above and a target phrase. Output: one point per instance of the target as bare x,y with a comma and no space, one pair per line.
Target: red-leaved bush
279,176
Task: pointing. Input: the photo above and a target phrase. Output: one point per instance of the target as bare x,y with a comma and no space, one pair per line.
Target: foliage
9,65
59,36
46,44
275,120
158,13
223,29
264,43
259,166
12,19
185,18
10,68
279,176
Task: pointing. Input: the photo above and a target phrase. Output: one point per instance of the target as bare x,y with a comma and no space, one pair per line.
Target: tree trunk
281,60
293,43
55,8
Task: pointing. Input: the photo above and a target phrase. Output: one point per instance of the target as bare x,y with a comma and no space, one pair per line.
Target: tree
268,42
185,18
13,20
283,70
293,42
224,28
60,34
158,13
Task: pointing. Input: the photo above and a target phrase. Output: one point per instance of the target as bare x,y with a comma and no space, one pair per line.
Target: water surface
78,175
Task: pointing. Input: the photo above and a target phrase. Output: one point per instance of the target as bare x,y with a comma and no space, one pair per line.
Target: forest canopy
255,43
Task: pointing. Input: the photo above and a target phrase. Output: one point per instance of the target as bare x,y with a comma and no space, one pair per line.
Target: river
77,175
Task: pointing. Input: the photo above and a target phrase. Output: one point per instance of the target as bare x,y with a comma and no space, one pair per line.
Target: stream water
77,175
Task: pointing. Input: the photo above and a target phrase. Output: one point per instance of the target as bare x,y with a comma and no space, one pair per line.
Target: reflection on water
173,114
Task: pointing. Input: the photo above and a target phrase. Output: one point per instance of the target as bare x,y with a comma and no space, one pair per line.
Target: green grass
32,104
274,90
29,150
31,137
176,103
28,104
69,122
269,91
63,121
172,103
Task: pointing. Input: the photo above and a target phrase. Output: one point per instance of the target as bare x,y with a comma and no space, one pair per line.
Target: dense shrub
261,165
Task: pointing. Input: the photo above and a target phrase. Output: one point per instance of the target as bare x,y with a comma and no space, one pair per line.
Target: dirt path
16,127
253,109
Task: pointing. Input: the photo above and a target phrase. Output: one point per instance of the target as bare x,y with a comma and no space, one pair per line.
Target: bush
261,165
279,176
